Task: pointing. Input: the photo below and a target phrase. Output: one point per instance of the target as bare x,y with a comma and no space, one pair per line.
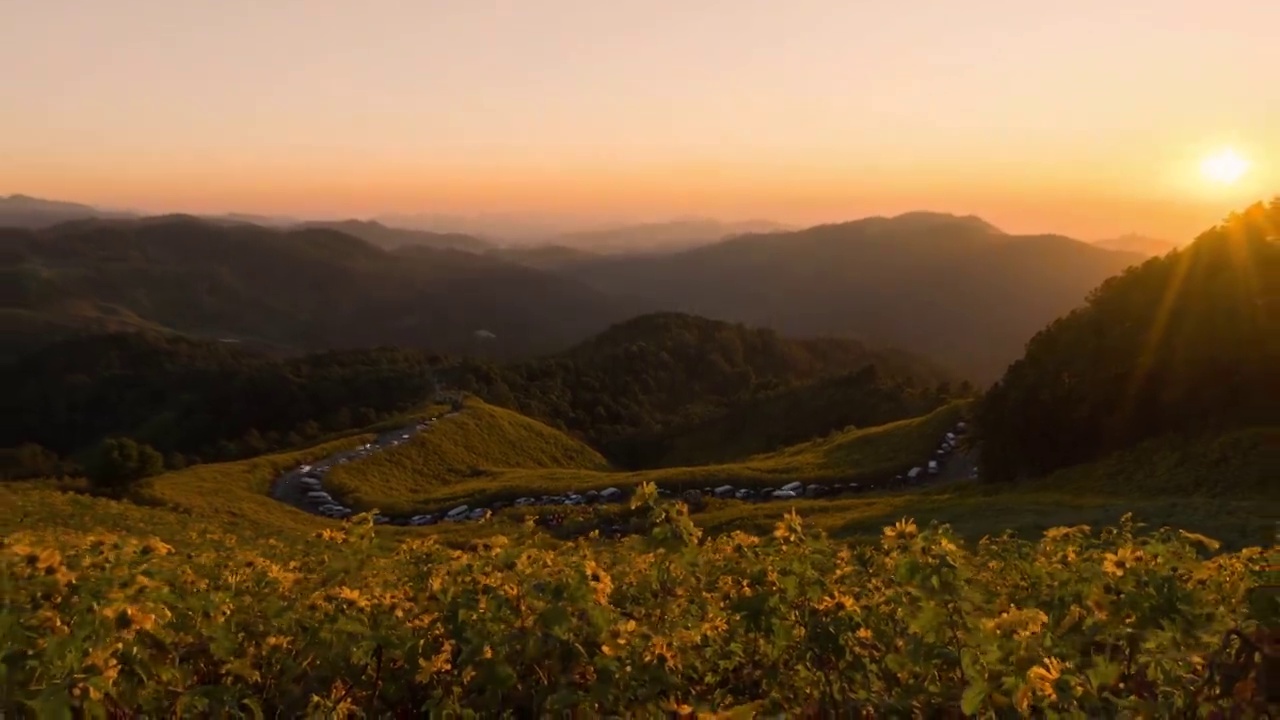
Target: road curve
293,486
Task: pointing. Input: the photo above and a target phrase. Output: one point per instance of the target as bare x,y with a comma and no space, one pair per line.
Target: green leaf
974,695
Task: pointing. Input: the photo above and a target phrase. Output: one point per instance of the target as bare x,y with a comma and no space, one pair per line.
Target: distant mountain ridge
1135,243
30,212
390,238
953,288
286,290
661,237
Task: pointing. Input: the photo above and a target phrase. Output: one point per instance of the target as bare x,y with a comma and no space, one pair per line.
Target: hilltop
475,441
949,287
291,291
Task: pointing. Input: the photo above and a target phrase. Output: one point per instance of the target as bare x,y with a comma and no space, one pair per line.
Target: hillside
199,401
952,288
1186,344
293,290
775,419
202,400
479,439
622,389
389,238
733,622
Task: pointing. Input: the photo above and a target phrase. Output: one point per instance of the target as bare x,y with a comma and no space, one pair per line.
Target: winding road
302,487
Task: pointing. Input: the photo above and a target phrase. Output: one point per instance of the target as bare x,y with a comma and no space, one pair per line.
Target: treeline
193,401
656,389
1187,343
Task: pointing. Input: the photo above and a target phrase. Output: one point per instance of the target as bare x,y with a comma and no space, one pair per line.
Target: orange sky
1088,118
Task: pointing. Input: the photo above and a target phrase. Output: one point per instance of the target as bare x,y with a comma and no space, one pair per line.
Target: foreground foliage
1116,622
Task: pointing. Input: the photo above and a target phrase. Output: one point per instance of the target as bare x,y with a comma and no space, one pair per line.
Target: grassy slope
1230,475
489,453
221,497
479,440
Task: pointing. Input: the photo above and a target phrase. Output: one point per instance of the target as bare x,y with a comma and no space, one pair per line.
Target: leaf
974,695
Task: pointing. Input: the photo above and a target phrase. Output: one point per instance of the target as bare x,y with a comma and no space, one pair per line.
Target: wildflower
837,601
1117,563
902,531
599,580
1043,676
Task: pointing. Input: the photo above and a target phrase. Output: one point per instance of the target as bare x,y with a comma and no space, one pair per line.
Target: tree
119,462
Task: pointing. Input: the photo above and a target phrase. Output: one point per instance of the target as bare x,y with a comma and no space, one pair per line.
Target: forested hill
197,400
953,288
629,388
205,400
299,290
1185,343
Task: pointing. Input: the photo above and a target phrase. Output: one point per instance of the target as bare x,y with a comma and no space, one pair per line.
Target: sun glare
1224,167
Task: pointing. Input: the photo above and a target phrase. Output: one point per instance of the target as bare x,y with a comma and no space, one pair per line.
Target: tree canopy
1184,343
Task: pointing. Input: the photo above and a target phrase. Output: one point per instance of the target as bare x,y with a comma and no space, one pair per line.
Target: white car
783,494
793,487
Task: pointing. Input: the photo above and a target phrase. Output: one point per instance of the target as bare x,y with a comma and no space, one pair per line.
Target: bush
118,463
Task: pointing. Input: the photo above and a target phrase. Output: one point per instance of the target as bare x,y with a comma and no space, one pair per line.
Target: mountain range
284,290
954,288
1134,243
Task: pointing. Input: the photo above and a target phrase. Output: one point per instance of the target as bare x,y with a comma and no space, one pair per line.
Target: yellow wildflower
1117,563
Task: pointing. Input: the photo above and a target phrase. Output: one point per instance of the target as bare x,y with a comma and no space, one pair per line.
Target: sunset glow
1224,167
1075,118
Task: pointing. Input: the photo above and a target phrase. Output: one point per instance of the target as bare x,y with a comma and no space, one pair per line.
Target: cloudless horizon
1089,119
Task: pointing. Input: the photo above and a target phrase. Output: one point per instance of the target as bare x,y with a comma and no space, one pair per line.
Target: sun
1224,167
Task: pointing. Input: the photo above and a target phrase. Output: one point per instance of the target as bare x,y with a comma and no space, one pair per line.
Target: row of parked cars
319,500
324,504
466,512
949,443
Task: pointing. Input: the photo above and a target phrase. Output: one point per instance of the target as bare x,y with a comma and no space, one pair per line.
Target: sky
1087,118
